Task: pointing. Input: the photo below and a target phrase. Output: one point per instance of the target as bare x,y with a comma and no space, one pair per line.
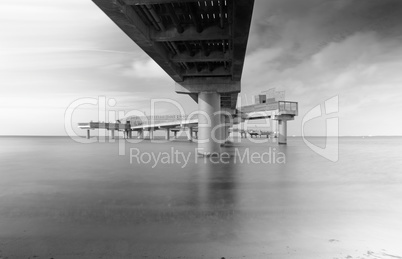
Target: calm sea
63,199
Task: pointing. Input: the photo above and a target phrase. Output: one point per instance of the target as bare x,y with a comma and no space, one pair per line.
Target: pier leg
175,134
151,134
140,134
112,134
282,138
222,129
190,137
208,104
88,134
227,133
196,134
167,134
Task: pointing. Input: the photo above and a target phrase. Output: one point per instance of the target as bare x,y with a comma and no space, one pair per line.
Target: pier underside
201,45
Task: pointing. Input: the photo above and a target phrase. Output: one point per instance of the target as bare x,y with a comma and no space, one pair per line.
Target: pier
281,111
201,45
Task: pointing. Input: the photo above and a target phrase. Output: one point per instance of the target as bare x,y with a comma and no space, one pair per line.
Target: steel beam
191,34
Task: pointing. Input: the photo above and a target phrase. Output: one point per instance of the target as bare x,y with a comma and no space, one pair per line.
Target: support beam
112,133
221,12
191,34
241,29
194,16
149,17
174,18
208,84
205,48
156,17
208,104
88,134
220,71
188,48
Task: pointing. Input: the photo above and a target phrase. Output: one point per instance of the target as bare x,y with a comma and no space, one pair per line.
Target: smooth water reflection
62,199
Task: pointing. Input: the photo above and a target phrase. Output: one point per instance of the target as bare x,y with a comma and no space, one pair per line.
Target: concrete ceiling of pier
188,39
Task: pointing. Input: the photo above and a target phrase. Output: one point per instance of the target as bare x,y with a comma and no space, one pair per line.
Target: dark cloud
316,49
303,28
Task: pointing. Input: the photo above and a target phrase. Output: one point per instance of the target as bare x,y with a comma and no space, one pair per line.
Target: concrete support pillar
282,138
208,104
112,134
167,134
175,134
140,134
190,137
274,127
196,134
88,134
151,134
223,129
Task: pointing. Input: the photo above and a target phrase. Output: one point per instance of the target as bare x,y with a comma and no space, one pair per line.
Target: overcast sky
54,52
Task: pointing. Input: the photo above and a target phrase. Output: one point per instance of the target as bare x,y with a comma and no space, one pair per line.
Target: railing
288,107
159,119
281,106
104,125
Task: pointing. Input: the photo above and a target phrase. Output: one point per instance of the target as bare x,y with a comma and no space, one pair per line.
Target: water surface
62,199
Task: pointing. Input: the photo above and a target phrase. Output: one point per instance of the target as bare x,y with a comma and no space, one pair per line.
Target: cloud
362,69
313,49
145,69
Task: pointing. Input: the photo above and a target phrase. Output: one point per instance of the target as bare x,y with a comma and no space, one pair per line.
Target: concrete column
208,104
196,134
112,134
223,129
140,134
190,137
151,134
167,134
282,138
273,126
88,134
175,134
